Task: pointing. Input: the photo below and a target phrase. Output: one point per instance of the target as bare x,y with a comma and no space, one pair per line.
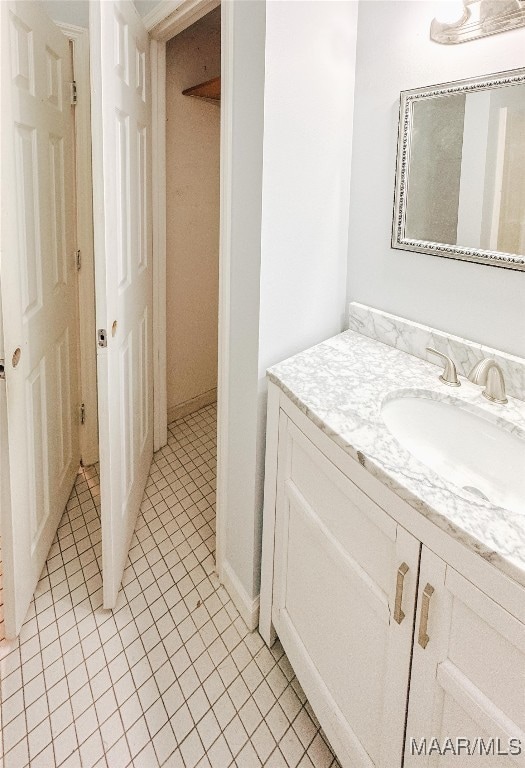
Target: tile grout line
174,632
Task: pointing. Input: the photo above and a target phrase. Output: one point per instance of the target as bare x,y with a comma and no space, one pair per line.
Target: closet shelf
210,90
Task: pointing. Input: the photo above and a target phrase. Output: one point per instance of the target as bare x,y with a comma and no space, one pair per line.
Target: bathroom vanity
398,596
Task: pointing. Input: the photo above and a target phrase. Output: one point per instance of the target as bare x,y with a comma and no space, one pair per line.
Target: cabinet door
468,676
337,561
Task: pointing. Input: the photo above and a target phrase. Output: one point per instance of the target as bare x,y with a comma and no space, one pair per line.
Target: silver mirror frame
407,101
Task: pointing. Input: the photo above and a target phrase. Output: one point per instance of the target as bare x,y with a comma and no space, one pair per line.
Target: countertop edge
419,505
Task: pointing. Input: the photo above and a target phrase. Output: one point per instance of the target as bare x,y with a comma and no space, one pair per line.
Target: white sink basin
475,454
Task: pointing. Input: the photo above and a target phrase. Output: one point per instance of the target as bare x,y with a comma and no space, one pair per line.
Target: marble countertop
341,384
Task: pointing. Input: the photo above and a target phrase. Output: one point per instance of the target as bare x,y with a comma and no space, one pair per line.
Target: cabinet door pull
398,611
423,637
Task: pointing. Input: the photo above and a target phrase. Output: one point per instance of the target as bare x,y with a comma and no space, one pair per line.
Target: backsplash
413,338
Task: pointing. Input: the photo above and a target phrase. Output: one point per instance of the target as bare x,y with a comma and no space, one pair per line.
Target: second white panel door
121,119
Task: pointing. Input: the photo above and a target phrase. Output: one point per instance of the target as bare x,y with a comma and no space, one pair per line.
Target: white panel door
121,118
467,688
39,296
345,579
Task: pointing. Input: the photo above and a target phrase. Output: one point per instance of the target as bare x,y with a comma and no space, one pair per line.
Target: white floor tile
171,677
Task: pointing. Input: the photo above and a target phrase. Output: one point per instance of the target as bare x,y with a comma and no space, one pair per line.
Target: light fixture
450,12
458,22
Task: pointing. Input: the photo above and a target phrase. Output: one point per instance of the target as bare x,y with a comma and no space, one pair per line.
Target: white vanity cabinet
337,560
340,577
468,680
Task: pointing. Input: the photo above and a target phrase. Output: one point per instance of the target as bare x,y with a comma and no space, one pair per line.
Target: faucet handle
449,375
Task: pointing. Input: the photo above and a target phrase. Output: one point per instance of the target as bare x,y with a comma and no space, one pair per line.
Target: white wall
246,24
394,53
300,297
145,6
77,11
473,176
308,107
68,11
308,110
192,232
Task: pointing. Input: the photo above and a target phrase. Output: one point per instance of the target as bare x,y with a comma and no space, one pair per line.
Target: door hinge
78,259
2,368
82,413
73,92
102,337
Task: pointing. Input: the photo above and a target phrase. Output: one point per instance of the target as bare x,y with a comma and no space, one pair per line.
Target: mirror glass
460,188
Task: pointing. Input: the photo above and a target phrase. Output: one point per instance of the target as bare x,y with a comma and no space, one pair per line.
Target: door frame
79,37
164,22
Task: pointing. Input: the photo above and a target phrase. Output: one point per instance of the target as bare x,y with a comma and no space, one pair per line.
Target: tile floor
171,677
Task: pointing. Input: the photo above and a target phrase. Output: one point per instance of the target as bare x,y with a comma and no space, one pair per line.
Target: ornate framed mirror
460,176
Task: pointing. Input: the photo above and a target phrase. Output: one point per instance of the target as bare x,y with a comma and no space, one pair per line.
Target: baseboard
190,406
248,607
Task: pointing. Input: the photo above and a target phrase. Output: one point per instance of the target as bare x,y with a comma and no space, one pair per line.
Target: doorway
204,325
193,65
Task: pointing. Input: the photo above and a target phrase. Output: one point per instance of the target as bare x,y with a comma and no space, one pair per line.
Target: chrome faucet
488,374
